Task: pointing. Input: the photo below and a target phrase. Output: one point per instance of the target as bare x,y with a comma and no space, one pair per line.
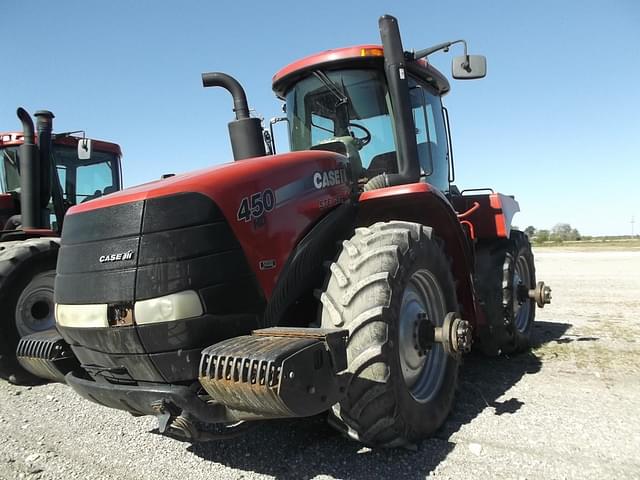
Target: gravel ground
568,409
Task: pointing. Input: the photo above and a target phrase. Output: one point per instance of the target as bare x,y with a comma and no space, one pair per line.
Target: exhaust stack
397,81
44,127
245,133
29,174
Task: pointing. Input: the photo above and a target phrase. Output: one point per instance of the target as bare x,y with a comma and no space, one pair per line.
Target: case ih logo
329,178
116,257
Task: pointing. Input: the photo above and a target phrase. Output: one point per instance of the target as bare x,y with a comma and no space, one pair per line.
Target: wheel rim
423,374
521,306
35,311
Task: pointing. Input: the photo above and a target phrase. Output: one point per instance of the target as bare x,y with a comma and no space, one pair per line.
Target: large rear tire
386,278
505,272
27,272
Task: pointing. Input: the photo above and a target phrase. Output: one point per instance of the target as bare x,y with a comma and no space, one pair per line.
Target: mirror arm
272,122
441,46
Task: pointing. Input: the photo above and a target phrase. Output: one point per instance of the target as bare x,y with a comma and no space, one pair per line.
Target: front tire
386,276
27,272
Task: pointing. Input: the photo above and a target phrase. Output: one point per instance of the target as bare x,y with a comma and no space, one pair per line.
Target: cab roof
359,56
10,139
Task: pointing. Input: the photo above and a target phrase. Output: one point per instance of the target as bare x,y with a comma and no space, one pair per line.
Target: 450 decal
256,205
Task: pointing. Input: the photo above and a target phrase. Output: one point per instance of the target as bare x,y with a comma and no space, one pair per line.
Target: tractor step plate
46,355
276,372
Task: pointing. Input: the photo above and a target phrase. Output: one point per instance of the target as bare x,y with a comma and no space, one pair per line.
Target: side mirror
84,149
469,67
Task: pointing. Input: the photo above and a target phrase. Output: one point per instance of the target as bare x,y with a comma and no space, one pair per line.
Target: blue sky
555,122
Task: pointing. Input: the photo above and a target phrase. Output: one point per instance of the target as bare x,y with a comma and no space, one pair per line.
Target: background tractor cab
86,169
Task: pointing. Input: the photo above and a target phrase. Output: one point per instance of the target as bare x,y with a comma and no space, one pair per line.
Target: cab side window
431,136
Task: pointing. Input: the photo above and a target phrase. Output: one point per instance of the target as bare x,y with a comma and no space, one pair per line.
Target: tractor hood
195,256
269,203
218,181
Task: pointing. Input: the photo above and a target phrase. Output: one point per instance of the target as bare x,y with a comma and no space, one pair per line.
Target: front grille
178,242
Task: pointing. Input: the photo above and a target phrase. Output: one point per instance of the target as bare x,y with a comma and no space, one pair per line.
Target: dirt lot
569,409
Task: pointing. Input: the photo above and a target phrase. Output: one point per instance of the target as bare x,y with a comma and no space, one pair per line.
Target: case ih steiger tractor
41,175
347,276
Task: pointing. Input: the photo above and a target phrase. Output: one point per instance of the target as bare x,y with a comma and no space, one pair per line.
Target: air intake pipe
245,133
29,174
397,81
44,126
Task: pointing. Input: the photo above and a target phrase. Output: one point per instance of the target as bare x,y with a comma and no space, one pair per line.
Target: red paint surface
323,57
6,202
228,184
10,139
422,203
489,219
39,232
408,189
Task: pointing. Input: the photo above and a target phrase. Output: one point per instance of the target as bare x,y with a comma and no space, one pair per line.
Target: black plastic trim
192,274
105,223
137,367
114,286
169,337
139,399
118,340
188,242
178,211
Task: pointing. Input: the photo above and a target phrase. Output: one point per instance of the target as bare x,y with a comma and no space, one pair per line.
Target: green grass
595,244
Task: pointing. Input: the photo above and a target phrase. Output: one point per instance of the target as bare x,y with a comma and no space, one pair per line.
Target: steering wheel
361,142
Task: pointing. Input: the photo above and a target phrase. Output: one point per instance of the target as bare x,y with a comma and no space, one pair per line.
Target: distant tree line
561,232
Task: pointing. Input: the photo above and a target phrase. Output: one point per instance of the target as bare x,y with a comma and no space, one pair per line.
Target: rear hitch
455,334
541,294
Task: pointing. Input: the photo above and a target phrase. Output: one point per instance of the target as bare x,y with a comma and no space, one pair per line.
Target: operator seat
387,162
344,146
383,163
96,194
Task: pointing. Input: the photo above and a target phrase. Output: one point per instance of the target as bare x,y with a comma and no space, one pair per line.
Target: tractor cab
81,179
339,100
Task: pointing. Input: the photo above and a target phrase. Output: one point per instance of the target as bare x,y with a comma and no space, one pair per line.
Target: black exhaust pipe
397,81
245,133
44,126
29,174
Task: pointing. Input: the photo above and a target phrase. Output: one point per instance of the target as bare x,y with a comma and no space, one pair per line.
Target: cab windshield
81,180
330,104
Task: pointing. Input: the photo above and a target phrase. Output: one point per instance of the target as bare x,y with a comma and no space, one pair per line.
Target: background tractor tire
27,272
503,267
384,275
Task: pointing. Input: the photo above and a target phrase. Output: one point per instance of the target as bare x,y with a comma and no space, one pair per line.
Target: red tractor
347,276
41,175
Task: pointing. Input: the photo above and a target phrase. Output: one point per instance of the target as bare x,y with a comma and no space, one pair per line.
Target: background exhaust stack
44,126
29,174
245,133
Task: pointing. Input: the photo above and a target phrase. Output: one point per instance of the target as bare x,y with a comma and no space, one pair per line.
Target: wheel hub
521,302
35,312
422,360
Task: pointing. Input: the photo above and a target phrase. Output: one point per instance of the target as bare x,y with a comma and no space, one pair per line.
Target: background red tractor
41,175
347,276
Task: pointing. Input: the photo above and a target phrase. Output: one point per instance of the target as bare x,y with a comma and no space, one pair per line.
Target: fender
423,203
488,216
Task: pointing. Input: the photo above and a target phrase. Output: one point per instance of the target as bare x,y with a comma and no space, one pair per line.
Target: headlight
82,316
170,307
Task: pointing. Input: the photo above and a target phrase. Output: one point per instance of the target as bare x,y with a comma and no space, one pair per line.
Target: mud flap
276,372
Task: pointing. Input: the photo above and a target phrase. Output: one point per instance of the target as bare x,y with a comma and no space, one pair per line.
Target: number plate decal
256,205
